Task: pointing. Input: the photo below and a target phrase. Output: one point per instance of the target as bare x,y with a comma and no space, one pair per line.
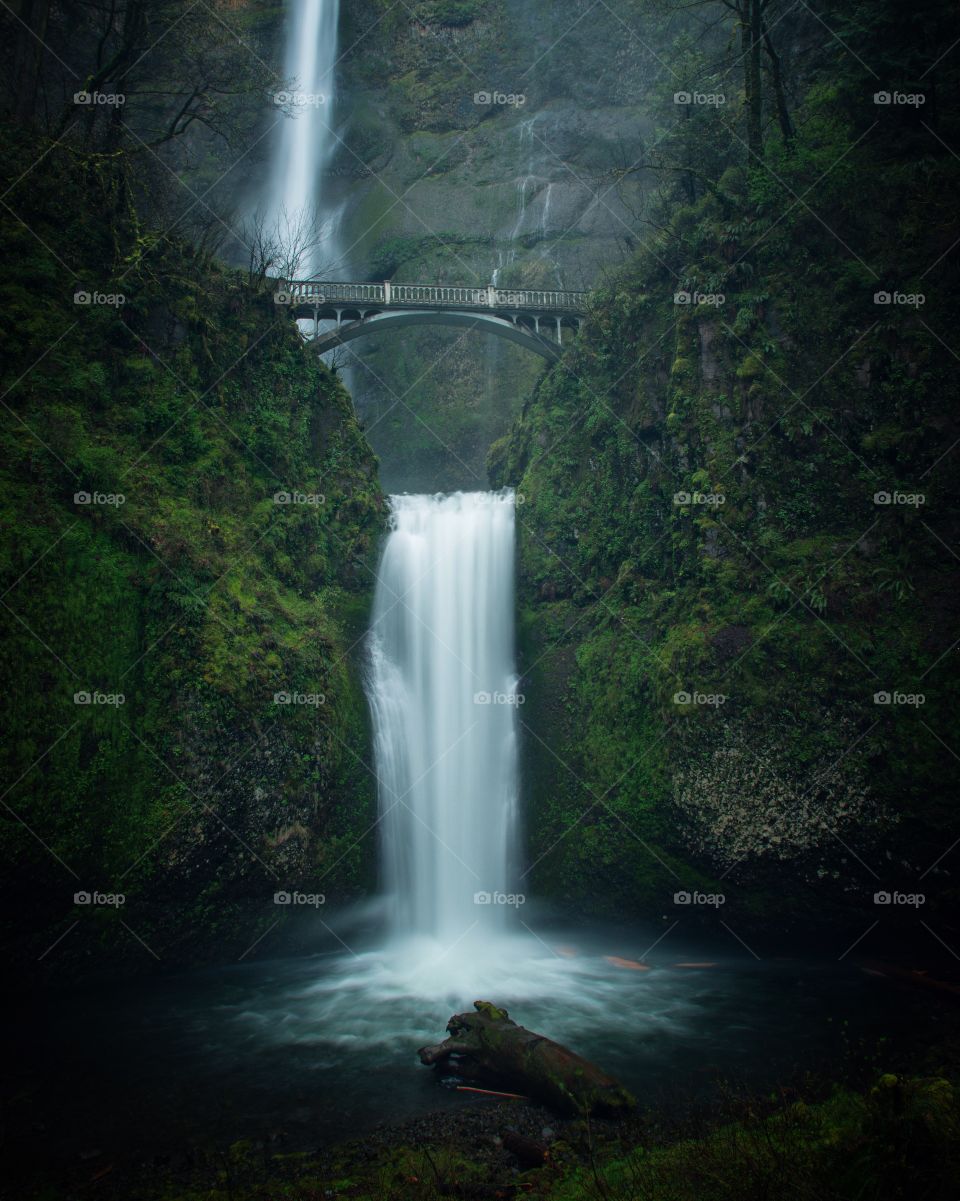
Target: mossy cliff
167,390
738,539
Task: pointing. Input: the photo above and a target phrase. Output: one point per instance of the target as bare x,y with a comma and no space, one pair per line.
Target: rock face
502,129
488,1044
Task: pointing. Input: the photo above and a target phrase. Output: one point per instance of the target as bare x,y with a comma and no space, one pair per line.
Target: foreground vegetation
895,1140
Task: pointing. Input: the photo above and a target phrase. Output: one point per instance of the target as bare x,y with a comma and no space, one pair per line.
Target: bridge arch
534,319
514,331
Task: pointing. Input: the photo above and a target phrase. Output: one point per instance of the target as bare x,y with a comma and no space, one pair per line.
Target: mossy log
488,1044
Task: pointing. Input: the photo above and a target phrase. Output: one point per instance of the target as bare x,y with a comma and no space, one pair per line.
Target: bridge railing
435,296
320,290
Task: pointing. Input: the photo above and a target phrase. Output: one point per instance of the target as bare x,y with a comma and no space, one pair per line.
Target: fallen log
488,1044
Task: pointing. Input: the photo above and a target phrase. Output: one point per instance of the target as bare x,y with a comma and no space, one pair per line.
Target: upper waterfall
306,139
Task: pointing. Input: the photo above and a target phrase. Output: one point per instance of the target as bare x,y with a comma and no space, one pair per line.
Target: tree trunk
28,58
488,1044
780,98
689,183
751,36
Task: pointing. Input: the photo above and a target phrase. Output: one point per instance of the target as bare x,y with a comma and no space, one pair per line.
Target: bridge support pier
559,332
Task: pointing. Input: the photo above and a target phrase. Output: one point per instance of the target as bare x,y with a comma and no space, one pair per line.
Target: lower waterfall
444,704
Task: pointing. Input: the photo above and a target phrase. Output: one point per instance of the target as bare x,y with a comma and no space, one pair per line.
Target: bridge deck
433,296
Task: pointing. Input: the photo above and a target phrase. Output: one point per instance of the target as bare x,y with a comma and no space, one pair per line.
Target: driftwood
488,1045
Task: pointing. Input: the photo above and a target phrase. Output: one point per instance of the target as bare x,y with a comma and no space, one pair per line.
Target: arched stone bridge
533,319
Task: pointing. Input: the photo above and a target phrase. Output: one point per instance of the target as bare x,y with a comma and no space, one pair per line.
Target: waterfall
444,704
306,140
533,191
523,182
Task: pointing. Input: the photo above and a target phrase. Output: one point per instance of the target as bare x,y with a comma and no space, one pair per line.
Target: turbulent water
444,703
322,1047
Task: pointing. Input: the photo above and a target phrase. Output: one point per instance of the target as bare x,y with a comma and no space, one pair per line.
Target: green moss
197,598
795,598
897,1140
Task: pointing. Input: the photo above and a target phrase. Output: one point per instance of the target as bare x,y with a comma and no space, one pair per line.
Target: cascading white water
534,198
306,139
443,698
